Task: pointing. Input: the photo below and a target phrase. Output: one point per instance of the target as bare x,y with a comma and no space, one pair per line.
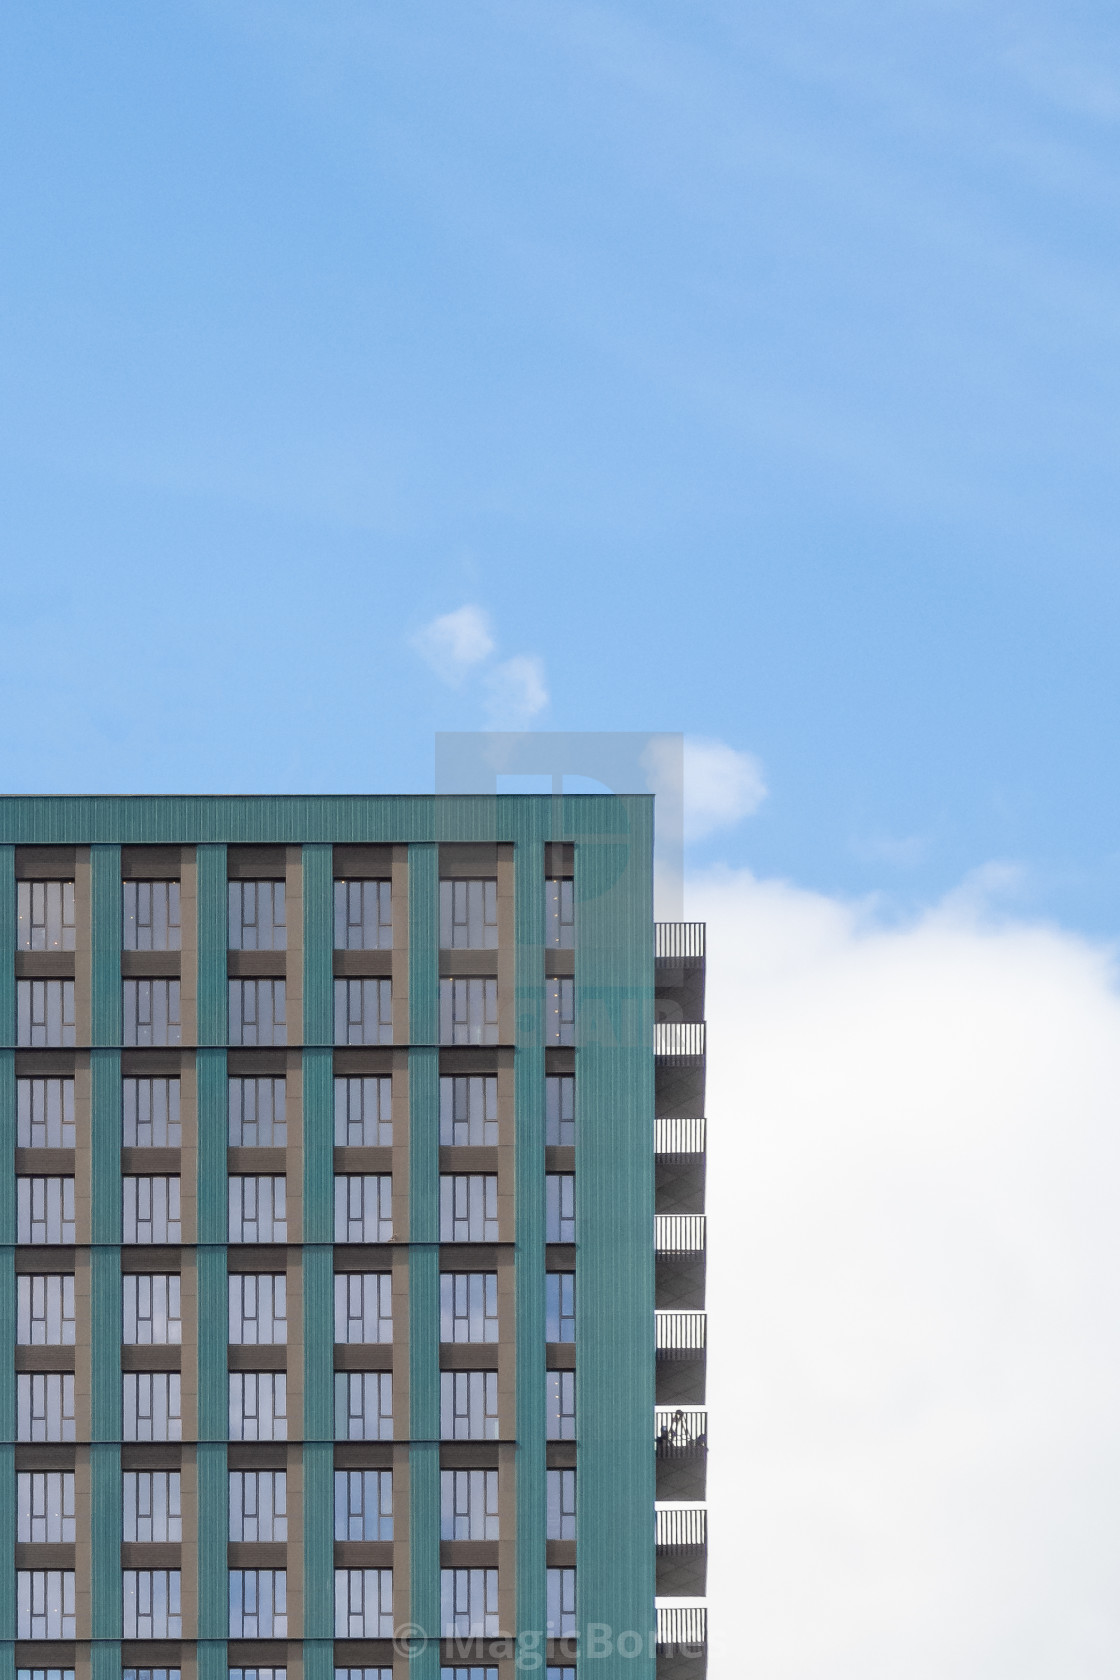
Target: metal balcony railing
681,1040
682,1525
686,1624
680,1429
680,1233
679,940
680,1136
681,1332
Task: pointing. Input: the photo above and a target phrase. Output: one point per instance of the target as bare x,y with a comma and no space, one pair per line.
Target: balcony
679,1041
680,1261
682,1642
679,1233
680,1164
680,1135
679,1048
681,1335
681,1446
679,941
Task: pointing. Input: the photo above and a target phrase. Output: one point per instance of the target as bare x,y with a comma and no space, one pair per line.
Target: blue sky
752,368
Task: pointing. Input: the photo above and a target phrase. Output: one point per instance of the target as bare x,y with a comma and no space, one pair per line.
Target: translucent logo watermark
530,1650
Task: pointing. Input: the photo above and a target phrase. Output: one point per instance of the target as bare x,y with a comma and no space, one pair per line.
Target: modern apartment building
341,1337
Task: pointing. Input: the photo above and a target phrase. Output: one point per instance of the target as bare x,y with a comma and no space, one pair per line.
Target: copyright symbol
409,1637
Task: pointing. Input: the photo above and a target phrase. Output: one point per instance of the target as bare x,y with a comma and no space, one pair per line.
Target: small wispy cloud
721,786
455,643
516,691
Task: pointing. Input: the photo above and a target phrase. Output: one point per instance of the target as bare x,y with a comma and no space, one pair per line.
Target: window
153,1506
560,1012
468,1111
260,1674
561,1504
151,1308
560,1110
468,1207
151,1012
45,1506
258,1603
153,1603
363,1504
151,1674
468,1012
45,1210
363,1674
474,1672
258,1113
468,1504
468,1405
552,1673
45,916
45,1406
363,1012
258,1406
46,1674
258,1308
152,1406
151,1210
560,1405
560,1306
151,916
257,920
45,1604
363,1603
363,1405
363,1112
560,1591
258,1209
468,1602
363,915
45,1113
45,1013
257,1012
363,1208
468,915
45,1309
468,1306
151,1113
560,1208
258,1505
363,1307
559,915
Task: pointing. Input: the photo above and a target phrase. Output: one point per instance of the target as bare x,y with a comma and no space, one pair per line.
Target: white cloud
455,643
914,1284
721,786
516,691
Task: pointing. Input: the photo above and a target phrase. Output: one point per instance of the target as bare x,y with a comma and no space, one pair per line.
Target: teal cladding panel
105,1145
614,1223
105,944
318,1146
318,1540
7,1146
318,1344
212,1087
7,944
213,1536
105,1339
7,1345
7,1648
7,1542
318,945
424,1517
212,1654
105,1660
106,1534
213,943
213,1340
423,945
423,1187
318,1659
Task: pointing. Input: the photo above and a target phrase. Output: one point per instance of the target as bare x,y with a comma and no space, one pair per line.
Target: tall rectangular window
151,1113
369,1674
468,1012
561,1504
559,1012
560,1110
560,1208
468,915
468,1306
363,1112
45,916
468,1602
468,1207
258,1209
363,1504
468,1504
257,916
45,1406
44,1210
151,1209
560,1595
258,1308
468,1111
153,1603
363,915
45,1113
45,1014
151,1308
45,1309
151,1012
560,1405
257,1012
363,1012
363,1405
153,1408
559,914
45,1604
258,1113
363,1208
468,1405
153,1506
560,1306
253,1674
473,1672
151,919
154,1673
258,1505
363,1603
258,1604
258,1406
45,1507
363,1307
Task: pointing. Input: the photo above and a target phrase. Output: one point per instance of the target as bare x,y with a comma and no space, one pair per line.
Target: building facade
332,1322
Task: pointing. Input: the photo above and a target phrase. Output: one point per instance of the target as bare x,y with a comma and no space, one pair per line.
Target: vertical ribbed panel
318,1146
105,1340
423,944
105,1659
424,1513
7,944
318,1540
318,1344
212,1654
105,1145
318,1659
213,1536
7,1544
614,1220
7,1345
106,1533
213,941
213,1332
212,1086
105,944
318,945
7,1146
529,1099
